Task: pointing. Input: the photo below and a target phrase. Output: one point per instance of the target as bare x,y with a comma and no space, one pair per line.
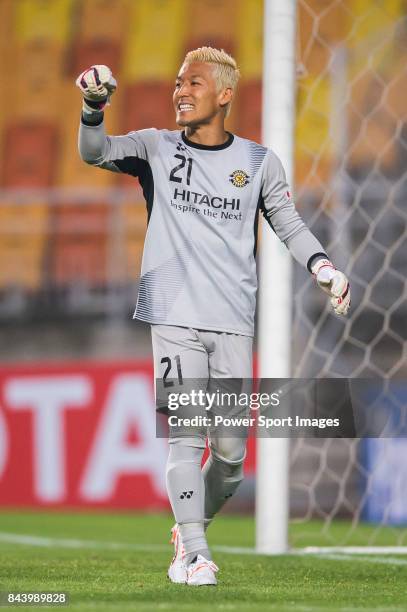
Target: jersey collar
195,145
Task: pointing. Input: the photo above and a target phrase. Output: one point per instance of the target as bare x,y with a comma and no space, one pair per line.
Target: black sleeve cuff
314,257
97,119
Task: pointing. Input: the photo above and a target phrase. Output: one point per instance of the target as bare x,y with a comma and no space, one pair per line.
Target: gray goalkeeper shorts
188,360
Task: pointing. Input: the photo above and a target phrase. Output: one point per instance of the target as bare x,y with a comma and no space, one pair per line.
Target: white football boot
177,572
202,572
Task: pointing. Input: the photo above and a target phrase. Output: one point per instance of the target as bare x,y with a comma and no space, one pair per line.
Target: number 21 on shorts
170,367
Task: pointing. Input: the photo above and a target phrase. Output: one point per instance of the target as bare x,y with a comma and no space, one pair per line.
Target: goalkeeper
204,188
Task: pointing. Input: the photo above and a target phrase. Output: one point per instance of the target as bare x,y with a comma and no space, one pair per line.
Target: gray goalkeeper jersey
198,267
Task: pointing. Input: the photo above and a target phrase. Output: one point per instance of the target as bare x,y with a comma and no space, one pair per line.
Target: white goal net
351,188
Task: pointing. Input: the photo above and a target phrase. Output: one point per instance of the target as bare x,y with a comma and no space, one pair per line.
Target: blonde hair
226,72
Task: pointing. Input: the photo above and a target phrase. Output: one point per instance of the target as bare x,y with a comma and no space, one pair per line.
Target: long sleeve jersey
198,267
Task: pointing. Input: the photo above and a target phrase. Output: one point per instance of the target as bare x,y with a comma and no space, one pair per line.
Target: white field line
323,608
28,540
363,559
333,553
354,550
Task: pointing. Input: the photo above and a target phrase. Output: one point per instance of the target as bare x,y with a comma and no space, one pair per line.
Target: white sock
194,541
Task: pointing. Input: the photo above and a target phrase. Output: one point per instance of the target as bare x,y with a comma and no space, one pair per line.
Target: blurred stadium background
71,239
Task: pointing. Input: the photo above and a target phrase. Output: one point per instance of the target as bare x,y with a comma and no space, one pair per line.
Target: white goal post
274,341
344,111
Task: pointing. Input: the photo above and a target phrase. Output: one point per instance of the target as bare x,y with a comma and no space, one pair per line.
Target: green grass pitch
118,562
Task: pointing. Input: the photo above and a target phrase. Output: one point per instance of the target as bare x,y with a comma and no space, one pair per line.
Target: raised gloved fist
97,84
334,283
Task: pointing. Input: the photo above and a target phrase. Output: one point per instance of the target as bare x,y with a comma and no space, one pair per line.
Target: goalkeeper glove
97,85
334,283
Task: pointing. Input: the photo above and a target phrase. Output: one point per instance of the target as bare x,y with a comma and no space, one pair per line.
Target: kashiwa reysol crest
239,178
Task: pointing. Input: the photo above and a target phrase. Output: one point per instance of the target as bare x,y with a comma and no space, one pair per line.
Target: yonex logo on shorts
186,495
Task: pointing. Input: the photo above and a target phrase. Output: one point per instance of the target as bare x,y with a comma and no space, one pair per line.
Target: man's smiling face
196,97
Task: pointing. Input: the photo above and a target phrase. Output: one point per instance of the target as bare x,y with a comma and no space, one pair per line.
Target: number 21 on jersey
179,167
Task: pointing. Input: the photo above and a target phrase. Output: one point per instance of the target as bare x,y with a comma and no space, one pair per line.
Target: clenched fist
97,84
